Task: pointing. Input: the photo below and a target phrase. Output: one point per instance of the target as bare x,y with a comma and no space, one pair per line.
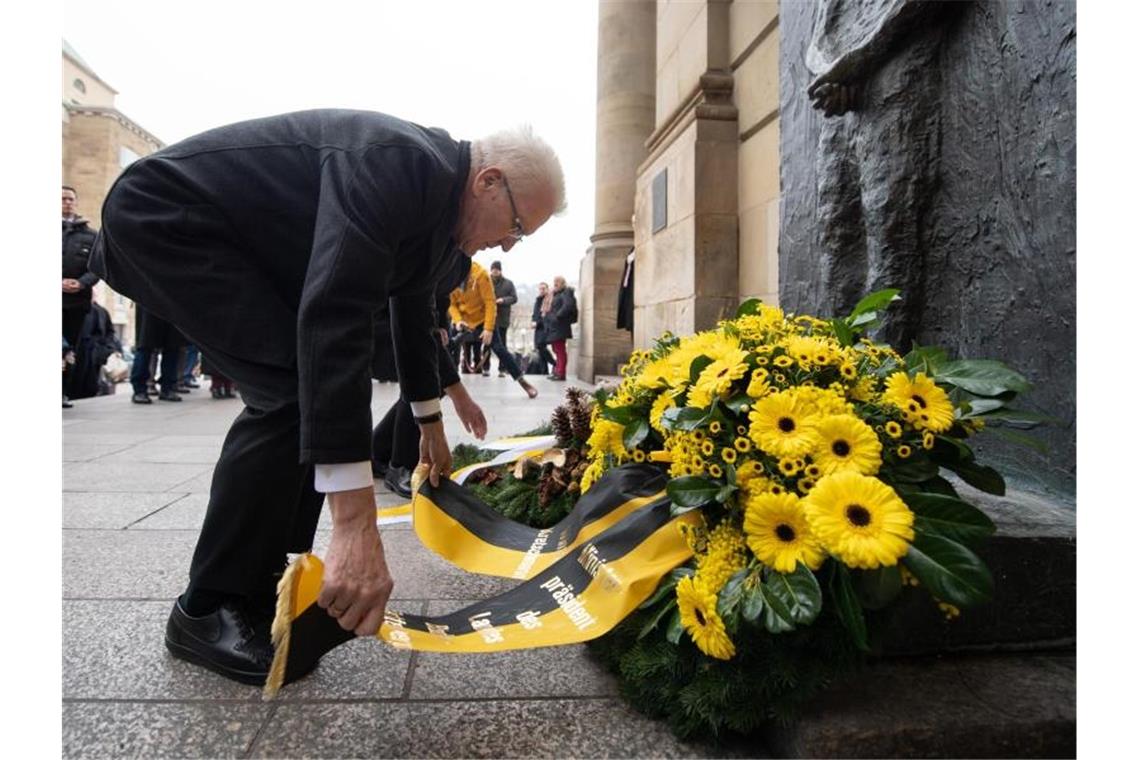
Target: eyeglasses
516,232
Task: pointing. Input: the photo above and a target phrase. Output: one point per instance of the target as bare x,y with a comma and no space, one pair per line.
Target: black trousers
72,326
396,438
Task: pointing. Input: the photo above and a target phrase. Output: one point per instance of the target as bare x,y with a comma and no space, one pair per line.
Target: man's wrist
425,408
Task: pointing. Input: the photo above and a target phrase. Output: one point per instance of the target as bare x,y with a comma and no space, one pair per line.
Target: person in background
563,313
542,304
221,387
152,336
78,239
505,297
190,357
473,313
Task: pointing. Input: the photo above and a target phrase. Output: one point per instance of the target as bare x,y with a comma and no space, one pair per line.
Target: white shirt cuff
424,408
342,477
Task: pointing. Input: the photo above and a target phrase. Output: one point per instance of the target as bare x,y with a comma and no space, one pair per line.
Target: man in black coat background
78,239
271,244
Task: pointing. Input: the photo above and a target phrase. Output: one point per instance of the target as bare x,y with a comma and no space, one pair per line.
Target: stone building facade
687,169
99,141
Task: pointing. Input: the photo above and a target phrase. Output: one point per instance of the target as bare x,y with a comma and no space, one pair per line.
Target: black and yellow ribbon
580,578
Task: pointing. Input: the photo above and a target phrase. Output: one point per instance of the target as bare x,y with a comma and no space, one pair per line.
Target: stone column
627,31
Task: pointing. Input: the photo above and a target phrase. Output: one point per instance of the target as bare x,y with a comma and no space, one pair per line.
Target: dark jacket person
271,244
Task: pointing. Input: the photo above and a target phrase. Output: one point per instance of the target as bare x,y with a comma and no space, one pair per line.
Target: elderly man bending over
270,244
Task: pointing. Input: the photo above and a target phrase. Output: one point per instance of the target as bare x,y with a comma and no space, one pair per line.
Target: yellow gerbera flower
782,425
783,361
700,619
805,484
848,371
716,378
660,404
778,533
758,384
859,519
845,442
927,405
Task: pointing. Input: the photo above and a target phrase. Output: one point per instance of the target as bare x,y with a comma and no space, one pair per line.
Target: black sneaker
170,395
230,641
140,398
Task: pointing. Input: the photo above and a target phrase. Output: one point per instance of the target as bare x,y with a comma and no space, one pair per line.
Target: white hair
525,158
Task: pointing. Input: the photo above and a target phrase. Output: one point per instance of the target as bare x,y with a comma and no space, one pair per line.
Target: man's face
68,202
496,274
487,218
542,288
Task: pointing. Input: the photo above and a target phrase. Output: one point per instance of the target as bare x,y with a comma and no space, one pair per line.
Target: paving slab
564,671
87,452
116,650
111,510
145,729
128,476
125,564
491,728
153,451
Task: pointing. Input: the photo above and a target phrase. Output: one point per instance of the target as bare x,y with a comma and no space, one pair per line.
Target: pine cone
580,422
560,423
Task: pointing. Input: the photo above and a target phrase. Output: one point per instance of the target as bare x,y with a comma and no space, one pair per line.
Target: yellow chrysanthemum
903,451
742,444
927,440
845,442
778,533
606,437
863,389
707,447
781,425
728,454
591,474
894,429
701,621
715,470
823,401
859,519
925,404
784,361
714,427
758,384
660,404
725,554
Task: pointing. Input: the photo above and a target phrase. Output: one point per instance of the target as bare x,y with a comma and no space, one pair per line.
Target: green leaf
877,588
674,630
738,402
949,449
653,621
799,591
926,358
751,306
777,617
623,415
979,476
666,587
1018,417
950,571
697,367
847,604
729,597
985,377
752,604
876,301
949,517
724,493
917,469
730,474
683,418
844,334
692,490
975,407
634,433
1022,439
868,319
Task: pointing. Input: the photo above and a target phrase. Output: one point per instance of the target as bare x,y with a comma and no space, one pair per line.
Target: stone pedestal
602,346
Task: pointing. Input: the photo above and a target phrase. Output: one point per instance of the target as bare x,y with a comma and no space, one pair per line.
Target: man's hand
71,286
443,336
487,336
470,414
434,450
356,584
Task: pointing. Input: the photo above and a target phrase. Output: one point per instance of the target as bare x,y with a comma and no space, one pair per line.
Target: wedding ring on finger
335,612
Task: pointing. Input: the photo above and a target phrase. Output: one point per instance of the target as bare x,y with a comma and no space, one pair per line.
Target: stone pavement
136,481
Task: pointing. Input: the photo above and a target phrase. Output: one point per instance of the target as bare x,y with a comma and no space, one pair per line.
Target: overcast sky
469,67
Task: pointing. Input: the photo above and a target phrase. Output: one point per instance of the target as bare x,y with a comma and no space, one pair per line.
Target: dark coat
539,322
504,289
155,333
562,313
272,243
78,239
97,341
